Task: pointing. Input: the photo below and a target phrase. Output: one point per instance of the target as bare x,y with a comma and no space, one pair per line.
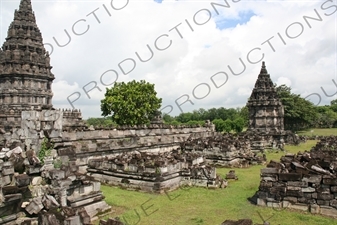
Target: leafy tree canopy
299,113
131,103
103,122
238,124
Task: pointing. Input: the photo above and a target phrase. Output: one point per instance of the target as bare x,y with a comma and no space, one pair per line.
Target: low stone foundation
154,172
305,181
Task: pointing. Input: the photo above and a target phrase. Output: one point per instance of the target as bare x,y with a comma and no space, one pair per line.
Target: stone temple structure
50,161
266,111
25,71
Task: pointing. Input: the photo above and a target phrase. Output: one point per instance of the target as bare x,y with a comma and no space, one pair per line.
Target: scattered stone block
333,203
36,181
231,175
274,204
315,179
308,190
330,180
298,206
290,199
75,220
7,171
329,211
34,206
97,207
57,174
269,171
261,202
325,196
22,180
315,209
333,189
290,177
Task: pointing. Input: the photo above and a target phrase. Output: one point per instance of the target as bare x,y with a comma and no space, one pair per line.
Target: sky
199,54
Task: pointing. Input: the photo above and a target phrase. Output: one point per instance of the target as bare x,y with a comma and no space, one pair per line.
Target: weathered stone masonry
265,108
305,181
25,71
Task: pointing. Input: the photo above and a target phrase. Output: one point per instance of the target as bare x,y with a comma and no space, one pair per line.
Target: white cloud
306,62
283,80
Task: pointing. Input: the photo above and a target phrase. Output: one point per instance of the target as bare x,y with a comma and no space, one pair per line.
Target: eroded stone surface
305,181
266,111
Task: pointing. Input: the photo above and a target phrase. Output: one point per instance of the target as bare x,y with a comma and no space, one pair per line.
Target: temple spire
265,108
26,7
25,70
263,69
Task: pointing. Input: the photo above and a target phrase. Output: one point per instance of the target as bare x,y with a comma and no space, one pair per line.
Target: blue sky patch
244,17
158,1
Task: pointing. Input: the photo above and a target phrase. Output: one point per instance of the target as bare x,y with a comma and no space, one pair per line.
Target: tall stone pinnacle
25,71
265,108
263,68
25,11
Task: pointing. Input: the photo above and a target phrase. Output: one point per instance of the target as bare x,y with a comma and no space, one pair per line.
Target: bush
45,150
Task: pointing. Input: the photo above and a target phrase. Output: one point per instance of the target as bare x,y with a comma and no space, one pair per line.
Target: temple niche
25,71
266,111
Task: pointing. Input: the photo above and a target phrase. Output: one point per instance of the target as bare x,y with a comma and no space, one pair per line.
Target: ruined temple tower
25,71
266,111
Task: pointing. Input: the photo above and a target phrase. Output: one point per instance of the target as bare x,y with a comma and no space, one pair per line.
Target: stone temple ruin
155,172
306,181
52,164
25,71
266,111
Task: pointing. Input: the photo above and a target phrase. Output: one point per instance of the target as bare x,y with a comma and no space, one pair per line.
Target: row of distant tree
224,119
300,114
135,103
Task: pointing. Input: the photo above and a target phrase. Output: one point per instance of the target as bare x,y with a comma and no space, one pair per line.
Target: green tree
131,103
333,105
167,118
195,122
184,117
227,125
211,114
326,116
219,125
104,122
298,112
244,114
238,124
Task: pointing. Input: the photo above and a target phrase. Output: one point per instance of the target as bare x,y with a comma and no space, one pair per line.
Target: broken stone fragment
36,181
57,174
34,206
320,170
49,201
22,180
24,204
17,150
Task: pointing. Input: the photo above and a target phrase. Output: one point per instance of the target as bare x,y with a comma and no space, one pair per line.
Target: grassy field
319,131
196,206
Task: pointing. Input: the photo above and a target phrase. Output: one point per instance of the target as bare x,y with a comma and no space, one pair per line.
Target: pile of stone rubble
224,150
155,172
306,181
32,192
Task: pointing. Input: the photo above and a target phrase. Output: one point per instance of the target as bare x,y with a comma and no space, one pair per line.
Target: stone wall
305,181
86,143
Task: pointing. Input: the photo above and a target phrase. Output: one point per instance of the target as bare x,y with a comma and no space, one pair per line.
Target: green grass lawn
195,206
319,131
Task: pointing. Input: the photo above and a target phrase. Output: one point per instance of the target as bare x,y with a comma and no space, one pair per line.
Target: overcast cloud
206,41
